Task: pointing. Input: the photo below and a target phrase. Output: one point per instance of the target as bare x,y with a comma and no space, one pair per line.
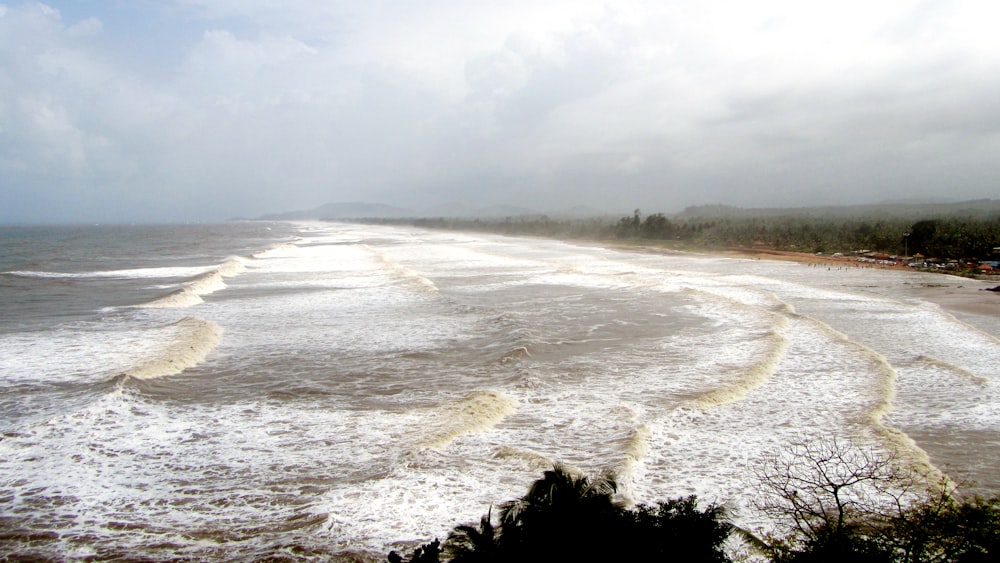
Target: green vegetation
968,231
831,501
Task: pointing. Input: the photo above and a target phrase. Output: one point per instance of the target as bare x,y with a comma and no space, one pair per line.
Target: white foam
191,293
92,353
282,250
406,274
474,413
386,434
181,298
190,340
136,273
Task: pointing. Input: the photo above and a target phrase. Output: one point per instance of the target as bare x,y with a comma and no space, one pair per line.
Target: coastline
807,258
958,295
972,299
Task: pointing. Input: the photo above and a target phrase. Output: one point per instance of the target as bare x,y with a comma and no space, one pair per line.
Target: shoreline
973,299
759,254
807,258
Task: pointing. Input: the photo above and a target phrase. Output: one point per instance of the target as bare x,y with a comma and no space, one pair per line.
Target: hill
980,208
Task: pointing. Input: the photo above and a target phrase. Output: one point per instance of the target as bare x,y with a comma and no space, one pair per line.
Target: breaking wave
402,272
636,449
533,460
282,250
479,411
135,273
518,353
959,371
190,340
885,393
947,315
756,373
209,282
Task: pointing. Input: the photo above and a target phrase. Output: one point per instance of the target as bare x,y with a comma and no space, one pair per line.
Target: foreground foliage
565,517
838,501
833,501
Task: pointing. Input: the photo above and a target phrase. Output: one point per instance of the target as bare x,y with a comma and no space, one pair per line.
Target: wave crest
474,413
191,342
209,282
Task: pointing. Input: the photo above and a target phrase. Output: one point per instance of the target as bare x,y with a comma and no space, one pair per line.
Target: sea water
255,390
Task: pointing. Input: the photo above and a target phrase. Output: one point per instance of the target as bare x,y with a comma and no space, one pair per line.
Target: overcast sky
208,109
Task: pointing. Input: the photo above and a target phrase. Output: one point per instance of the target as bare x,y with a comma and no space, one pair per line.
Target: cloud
89,27
242,108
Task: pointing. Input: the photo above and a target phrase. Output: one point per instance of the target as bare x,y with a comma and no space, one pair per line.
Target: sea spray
190,340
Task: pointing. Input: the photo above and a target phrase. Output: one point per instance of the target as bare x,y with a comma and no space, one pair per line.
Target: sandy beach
954,293
807,258
965,297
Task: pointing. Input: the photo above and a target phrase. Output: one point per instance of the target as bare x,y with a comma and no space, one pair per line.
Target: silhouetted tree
676,530
469,544
563,515
569,517
840,502
427,553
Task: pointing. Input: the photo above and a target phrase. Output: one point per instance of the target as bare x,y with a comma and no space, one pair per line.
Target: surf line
401,272
635,452
758,372
896,440
477,412
190,340
191,292
954,370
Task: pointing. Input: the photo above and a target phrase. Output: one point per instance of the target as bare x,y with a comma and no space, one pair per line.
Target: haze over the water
208,109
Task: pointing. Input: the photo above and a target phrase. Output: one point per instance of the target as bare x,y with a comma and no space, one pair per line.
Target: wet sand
807,258
953,293
968,298
972,301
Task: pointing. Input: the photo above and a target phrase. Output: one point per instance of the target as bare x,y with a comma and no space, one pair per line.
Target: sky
194,110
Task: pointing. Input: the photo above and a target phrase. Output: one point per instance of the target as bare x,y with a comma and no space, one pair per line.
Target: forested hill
967,231
980,208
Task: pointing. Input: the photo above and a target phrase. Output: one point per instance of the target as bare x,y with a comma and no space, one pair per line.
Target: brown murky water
358,387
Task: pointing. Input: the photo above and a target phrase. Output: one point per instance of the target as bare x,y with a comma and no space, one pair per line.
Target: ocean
305,391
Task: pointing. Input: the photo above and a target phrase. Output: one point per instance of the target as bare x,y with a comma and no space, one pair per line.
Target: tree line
966,237
946,237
